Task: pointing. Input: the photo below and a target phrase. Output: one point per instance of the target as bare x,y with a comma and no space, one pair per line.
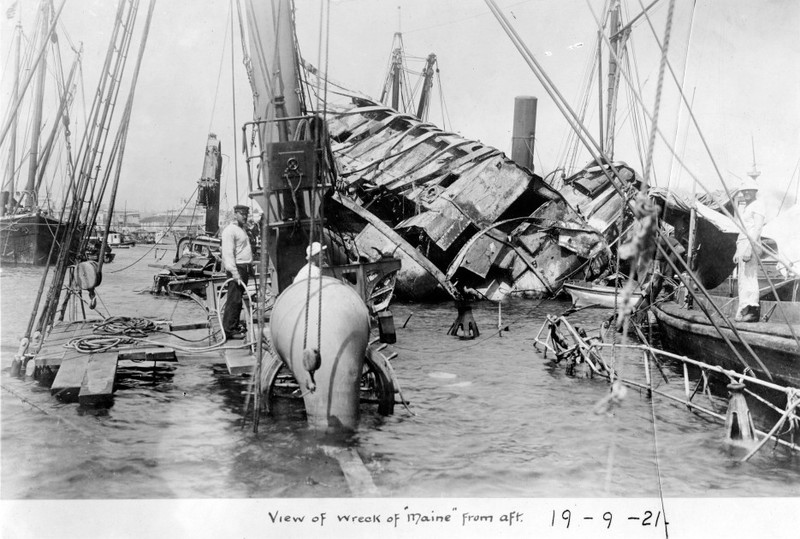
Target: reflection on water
492,417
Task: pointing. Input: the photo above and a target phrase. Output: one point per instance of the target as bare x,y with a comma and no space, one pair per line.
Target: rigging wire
723,210
91,150
683,79
234,153
794,177
657,106
123,130
694,176
639,121
219,70
169,228
33,70
447,124
319,45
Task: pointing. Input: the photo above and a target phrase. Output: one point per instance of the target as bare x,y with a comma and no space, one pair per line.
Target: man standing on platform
750,215
312,269
237,257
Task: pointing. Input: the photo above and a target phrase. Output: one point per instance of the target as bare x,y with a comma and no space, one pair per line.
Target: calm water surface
492,418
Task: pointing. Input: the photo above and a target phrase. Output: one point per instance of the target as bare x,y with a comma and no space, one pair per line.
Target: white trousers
748,283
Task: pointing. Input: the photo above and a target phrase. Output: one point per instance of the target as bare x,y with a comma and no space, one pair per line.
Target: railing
585,349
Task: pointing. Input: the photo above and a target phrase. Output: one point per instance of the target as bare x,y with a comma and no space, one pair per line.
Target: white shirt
235,248
748,216
309,271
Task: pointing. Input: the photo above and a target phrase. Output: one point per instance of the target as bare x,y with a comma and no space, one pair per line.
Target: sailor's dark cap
243,209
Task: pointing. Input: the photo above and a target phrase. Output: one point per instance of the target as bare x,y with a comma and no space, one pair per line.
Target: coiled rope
124,325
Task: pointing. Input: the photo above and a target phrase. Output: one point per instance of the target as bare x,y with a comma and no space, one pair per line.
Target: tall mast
397,63
394,78
290,188
276,78
286,71
30,197
427,82
754,172
12,147
613,79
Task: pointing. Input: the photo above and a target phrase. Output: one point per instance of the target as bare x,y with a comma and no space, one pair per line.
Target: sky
738,58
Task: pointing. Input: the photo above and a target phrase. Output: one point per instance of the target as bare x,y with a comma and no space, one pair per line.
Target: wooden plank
358,477
147,354
188,326
239,360
98,384
53,352
51,357
68,380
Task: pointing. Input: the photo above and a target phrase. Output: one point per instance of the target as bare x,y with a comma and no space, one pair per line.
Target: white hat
314,249
746,184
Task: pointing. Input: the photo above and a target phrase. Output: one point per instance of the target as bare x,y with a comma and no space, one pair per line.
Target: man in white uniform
750,214
311,269
237,257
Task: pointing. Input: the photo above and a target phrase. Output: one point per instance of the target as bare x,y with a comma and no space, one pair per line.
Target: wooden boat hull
26,239
331,393
688,332
586,294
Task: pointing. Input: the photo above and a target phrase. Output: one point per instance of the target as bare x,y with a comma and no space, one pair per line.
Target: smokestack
524,131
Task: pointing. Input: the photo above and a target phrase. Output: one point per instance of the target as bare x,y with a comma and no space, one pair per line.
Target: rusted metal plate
454,161
490,192
483,254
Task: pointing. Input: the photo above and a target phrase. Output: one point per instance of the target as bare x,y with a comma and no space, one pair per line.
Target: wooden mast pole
12,147
29,198
613,81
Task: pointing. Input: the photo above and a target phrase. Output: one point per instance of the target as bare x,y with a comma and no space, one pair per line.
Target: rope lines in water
169,229
495,334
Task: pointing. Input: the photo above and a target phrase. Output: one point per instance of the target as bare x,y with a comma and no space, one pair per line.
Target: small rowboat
586,294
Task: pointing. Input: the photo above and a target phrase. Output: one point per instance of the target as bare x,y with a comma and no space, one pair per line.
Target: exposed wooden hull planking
688,332
27,239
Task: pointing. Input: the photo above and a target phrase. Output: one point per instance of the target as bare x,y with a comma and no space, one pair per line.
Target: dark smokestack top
524,132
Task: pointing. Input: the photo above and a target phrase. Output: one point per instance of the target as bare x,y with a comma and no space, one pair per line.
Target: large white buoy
331,392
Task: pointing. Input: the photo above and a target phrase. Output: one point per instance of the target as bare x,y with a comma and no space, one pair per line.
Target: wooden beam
239,360
68,380
147,354
98,384
188,326
406,247
355,473
53,352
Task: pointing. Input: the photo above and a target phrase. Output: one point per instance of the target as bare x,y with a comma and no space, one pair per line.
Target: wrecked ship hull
463,215
533,256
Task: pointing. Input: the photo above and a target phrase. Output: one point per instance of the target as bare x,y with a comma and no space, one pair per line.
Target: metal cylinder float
739,427
338,341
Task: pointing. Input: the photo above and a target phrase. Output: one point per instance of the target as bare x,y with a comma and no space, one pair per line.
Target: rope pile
125,325
93,344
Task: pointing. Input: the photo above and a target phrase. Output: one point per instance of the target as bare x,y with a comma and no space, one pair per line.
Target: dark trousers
233,300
